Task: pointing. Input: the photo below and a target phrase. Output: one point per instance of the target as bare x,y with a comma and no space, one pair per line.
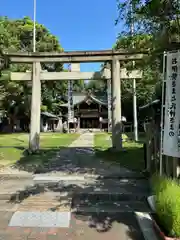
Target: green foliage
156,29
131,159
43,108
17,35
97,86
167,192
78,85
146,86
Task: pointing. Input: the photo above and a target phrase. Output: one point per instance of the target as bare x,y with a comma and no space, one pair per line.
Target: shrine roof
151,104
81,97
50,115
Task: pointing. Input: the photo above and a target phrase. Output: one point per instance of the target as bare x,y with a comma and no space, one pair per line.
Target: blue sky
79,25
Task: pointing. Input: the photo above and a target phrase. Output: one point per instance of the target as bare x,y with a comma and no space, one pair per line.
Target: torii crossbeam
51,76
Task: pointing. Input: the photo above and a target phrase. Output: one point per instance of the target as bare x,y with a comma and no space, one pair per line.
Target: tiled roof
47,114
79,98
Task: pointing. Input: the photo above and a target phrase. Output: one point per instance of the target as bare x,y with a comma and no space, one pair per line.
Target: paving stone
48,201
16,233
5,217
146,225
38,233
40,219
5,236
6,206
104,227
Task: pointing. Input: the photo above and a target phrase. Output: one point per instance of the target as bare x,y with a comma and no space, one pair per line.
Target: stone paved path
79,158
82,227
99,208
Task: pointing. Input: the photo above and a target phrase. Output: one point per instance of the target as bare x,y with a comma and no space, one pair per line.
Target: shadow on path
121,187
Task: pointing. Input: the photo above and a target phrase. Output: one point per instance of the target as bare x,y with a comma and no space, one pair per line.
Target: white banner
70,99
171,135
70,102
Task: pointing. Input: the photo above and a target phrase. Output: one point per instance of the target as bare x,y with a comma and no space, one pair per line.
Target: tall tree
156,29
17,35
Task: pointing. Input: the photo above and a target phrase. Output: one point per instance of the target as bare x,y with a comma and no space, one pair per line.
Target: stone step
68,179
46,201
57,177
6,206
16,176
130,175
10,188
45,179
21,192
93,197
94,187
119,206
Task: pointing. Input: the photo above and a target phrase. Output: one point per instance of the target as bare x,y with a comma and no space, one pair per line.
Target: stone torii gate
75,74
74,57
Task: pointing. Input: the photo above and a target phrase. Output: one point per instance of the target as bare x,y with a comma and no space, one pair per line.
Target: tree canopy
156,29
17,35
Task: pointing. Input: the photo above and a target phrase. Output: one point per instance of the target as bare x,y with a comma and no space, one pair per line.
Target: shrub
167,204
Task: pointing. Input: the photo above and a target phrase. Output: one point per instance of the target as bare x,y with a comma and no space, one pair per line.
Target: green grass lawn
13,147
141,136
132,158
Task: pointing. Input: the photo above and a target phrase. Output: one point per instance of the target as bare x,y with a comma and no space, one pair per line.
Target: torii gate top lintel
73,56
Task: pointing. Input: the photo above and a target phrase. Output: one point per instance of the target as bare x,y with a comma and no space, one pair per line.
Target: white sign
70,102
70,98
171,136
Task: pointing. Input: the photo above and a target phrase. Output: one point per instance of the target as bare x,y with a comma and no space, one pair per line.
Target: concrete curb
146,225
151,202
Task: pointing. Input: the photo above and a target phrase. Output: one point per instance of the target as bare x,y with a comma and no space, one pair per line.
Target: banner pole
162,115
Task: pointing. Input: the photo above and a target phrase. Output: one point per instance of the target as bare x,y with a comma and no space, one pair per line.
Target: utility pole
134,83
70,101
34,28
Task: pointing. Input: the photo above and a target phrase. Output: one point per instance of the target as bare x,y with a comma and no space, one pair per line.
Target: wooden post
78,123
148,147
35,108
116,106
176,168
155,147
109,97
167,166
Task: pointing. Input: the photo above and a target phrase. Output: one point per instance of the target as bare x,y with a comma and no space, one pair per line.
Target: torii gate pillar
116,105
35,108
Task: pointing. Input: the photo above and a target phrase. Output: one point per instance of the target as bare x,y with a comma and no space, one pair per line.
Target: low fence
170,165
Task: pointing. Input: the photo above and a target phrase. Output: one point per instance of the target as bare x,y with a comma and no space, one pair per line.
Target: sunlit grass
13,146
132,157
